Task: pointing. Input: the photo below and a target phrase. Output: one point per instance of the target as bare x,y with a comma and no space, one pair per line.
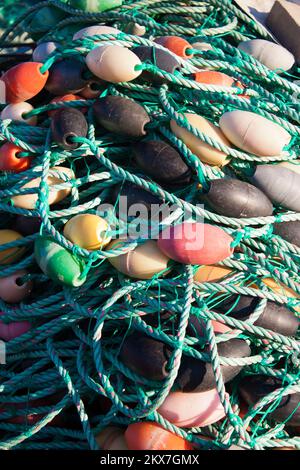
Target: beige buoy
212,273
135,28
202,46
28,201
272,55
95,30
10,255
292,165
143,262
89,231
16,112
113,64
206,153
112,438
254,133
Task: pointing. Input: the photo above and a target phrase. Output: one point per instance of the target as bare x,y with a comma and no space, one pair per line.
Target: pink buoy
12,330
188,410
195,243
12,290
197,327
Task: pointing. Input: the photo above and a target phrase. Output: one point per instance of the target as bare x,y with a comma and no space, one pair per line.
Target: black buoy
159,58
145,356
234,198
198,376
67,76
67,123
148,357
255,387
289,231
275,317
161,162
121,116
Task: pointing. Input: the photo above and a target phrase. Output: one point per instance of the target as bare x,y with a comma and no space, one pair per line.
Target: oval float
175,44
43,50
17,112
12,290
88,231
159,58
255,387
10,255
67,123
235,198
275,317
205,152
24,81
95,30
10,161
66,76
161,162
113,64
143,262
188,410
195,243
289,231
272,55
9,331
121,116
281,186
254,133
28,201
151,436
57,263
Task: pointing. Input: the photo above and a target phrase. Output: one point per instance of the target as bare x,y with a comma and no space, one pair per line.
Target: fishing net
64,380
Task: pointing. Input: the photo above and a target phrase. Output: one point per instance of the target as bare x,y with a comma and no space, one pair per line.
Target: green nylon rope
70,356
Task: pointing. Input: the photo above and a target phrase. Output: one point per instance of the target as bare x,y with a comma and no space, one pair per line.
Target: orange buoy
151,436
211,273
10,255
10,161
205,152
212,77
24,81
175,44
281,289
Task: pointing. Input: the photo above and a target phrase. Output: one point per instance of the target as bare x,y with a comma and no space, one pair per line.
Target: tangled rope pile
71,353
